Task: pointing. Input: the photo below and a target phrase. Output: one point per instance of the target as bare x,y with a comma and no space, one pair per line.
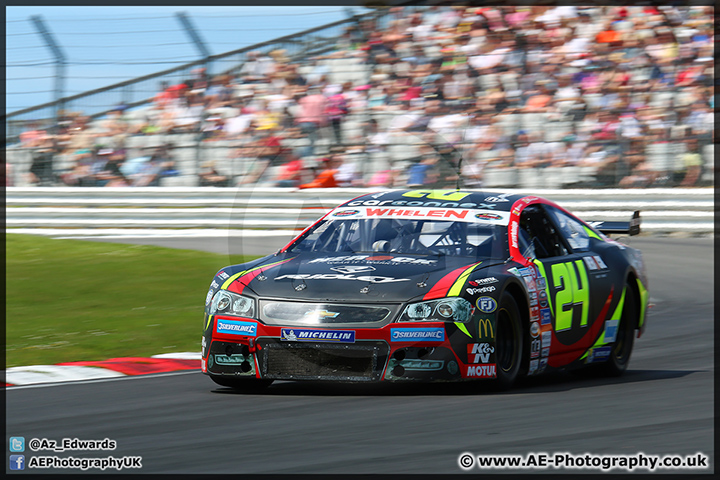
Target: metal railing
178,211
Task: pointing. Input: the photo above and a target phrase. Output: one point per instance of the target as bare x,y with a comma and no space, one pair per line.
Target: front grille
318,361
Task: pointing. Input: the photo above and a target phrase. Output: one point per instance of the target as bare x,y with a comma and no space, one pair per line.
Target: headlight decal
228,303
450,281
448,310
246,276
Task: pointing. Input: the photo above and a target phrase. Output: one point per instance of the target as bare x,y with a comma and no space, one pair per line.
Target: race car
430,285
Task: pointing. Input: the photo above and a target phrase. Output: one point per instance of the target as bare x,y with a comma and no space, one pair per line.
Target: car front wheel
508,341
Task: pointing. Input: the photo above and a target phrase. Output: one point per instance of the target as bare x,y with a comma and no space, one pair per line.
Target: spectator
336,111
41,170
210,177
326,177
424,171
312,115
690,165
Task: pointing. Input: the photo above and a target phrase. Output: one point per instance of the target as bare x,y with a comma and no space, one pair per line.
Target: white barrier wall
165,209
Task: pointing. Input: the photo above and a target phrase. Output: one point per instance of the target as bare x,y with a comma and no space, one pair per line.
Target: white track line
102,380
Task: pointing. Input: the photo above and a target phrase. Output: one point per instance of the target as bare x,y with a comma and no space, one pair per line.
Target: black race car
430,285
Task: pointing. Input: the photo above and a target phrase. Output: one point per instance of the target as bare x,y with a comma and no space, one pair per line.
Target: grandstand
544,110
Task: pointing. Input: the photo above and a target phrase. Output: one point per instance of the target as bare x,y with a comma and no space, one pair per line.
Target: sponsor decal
600,262
223,275
533,367
485,329
514,271
476,291
488,216
479,352
214,284
203,345
314,335
534,329
514,234
330,276
482,281
543,364
546,338
209,297
534,315
234,327
346,213
424,365
527,271
533,299
498,198
594,262
599,354
545,316
417,334
353,269
545,351
222,359
486,304
386,259
541,283
203,365
590,262
543,298
611,327
530,282
480,371
516,210
535,348
424,210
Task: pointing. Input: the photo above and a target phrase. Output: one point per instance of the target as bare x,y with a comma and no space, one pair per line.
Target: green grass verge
73,300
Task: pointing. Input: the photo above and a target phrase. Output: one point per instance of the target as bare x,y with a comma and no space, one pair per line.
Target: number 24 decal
573,293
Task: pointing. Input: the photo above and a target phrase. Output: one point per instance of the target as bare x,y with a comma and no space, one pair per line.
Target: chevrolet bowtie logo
321,314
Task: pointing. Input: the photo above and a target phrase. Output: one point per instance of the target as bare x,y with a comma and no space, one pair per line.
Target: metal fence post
60,61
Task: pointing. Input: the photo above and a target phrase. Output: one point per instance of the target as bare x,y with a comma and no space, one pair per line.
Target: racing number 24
572,280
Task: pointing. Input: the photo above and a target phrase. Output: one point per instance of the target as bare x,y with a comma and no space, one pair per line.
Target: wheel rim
506,344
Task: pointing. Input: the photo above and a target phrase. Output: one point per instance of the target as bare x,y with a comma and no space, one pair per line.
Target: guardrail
153,211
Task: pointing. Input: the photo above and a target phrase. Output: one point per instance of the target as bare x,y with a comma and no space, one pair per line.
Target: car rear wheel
622,348
508,342
244,384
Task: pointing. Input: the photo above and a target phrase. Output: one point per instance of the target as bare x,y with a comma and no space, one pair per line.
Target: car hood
362,277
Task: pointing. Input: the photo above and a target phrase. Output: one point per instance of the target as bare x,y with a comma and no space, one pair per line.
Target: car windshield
413,237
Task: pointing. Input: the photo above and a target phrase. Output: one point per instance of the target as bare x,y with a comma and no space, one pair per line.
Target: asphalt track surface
183,423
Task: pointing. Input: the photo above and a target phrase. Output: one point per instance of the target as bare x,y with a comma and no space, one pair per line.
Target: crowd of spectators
619,84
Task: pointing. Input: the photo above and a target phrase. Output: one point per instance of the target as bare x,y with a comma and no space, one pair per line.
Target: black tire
508,342
619,358
244,384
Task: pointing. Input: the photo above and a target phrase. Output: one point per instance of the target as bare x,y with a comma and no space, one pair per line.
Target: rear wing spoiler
629,228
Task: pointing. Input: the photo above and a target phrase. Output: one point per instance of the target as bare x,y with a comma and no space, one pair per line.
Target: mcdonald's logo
485,329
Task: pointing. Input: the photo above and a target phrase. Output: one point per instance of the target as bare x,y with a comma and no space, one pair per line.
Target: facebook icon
17,462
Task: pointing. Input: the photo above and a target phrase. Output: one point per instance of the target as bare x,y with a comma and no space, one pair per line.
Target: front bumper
348,355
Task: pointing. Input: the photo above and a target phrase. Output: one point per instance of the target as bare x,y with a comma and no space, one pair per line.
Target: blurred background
313,97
